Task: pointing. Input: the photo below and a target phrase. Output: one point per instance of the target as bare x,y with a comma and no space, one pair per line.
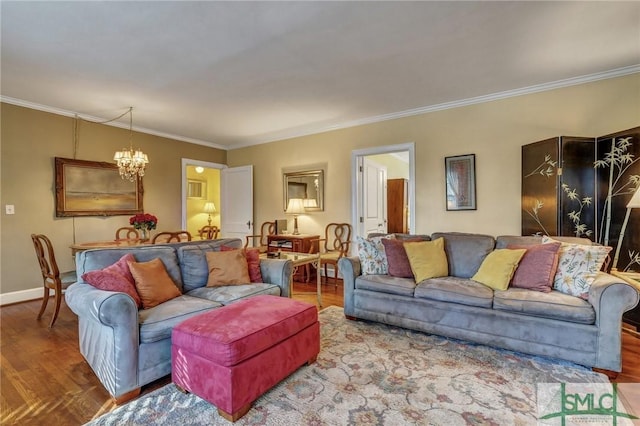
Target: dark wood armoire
398,205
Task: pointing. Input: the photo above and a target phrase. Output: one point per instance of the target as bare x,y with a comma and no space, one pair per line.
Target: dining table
78,247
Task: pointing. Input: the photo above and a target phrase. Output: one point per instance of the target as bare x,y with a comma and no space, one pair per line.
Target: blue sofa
556,325
128,348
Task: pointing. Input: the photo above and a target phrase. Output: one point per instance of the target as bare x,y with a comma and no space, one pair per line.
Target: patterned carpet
372,374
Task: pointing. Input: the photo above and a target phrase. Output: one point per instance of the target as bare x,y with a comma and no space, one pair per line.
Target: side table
302,259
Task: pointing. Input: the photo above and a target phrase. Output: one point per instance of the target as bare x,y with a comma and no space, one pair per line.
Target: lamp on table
209,208
633,203
295,207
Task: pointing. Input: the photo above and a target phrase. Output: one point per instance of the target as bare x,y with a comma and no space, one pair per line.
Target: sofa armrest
278,272
109,335
350,269
611,297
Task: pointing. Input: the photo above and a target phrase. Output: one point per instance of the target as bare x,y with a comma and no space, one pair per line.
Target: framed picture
196,188
92,188
460,175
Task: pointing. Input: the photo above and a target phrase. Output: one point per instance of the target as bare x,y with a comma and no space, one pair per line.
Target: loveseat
128,347
553,324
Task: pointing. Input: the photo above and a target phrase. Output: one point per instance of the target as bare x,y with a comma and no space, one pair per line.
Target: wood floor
45,380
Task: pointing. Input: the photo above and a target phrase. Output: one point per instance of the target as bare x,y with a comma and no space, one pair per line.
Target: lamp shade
209,207
634,202
309,203
295,206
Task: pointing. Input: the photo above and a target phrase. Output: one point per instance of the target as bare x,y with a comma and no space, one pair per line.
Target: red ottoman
232,355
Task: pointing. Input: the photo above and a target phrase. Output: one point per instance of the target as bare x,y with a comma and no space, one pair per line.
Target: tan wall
494,131
396,169
30,141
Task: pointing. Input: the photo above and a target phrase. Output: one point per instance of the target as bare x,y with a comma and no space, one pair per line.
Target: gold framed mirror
307,185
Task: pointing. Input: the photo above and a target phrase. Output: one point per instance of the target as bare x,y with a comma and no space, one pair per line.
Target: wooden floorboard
44,380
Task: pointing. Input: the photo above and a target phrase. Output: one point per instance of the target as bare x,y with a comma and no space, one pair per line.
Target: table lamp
309,203
633,203
295,207
209,208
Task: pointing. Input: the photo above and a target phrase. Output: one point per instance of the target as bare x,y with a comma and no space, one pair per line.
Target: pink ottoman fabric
232,355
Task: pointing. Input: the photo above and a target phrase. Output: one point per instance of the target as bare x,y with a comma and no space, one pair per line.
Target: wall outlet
9,209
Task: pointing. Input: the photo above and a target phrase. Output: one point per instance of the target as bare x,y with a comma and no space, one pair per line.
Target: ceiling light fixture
131,164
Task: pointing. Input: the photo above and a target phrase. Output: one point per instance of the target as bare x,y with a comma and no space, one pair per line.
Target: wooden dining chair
51,276
171,237
260,240
127,233
334,246
209,232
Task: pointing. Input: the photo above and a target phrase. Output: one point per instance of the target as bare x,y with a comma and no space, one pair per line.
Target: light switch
10,209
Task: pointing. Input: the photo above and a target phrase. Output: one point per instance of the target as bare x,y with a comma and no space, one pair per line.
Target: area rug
374,374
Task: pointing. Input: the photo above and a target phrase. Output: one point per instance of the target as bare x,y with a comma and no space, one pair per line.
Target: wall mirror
308,185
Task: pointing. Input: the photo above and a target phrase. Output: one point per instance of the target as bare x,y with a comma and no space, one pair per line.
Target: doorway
200,194
371,169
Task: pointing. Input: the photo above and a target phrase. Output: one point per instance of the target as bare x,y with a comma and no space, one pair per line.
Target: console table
301,243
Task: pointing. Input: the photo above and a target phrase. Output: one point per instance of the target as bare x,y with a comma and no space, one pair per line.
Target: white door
374,199
236,195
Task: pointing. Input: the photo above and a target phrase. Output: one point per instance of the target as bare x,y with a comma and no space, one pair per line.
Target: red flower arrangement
143,221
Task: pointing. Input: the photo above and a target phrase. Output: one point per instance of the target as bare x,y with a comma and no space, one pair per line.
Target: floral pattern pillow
578,266
373,259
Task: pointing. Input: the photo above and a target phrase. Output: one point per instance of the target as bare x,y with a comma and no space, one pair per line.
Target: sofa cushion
455,290
397,259
232,293
386,284
372,256
90,260
465,252
227,268
498,268
156,323
427,259
116,277
537,268
578,266
153,283
553,305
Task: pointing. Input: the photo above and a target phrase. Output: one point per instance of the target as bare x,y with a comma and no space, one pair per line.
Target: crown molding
573,81
67,113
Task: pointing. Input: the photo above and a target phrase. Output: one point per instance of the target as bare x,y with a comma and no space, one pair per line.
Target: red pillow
397,259
537,268
116,277
253,262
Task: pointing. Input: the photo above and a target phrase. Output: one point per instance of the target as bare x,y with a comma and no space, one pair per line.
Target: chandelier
131,164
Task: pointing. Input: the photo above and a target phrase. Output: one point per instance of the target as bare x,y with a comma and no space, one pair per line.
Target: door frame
190,162
357,183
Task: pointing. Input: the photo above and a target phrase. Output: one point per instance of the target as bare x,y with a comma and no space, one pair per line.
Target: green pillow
427,259
498,268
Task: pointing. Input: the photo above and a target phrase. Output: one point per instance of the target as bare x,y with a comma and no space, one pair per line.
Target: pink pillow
397,259
116,277
537,268
253,262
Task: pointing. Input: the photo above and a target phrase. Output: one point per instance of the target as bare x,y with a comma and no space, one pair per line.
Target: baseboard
21,296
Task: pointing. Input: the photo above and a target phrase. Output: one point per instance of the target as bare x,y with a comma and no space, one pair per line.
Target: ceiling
232,74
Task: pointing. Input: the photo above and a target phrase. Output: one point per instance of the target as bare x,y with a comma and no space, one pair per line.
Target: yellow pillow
227,268
498,268
153,283
427,259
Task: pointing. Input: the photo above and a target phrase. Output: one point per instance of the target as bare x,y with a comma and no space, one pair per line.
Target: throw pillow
116,277
253,262
578,266
397,259
153,283
537,268
227,268
427,259
373,259
498,267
